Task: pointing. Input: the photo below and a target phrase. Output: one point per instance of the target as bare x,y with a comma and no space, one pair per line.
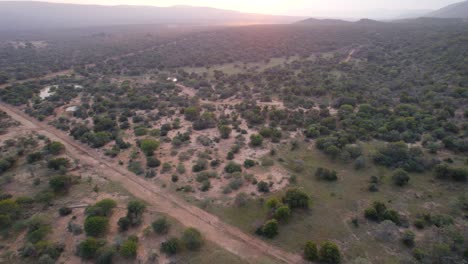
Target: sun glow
278,6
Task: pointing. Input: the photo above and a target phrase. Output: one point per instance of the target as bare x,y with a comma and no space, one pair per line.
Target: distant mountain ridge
322,22
18,15
338,22
457,10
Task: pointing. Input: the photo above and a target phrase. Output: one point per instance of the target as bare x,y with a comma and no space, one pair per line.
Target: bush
38,229
152,162
296,198
329,253
360,163
60,183
233,167
148,146
378,212
64,211
58,163
96,225
54,148
161,226
9,211
206,186
419,223
200,165
236,184
33,157
398,155
123,223
326,174
135,167
129,248
191,113
400,177
171,246
256,140
225,131
248,163
310,251
263,187
408,238
282,213
105,255
273,203
101,208
270,229
443,171
192,239
87,249
135,210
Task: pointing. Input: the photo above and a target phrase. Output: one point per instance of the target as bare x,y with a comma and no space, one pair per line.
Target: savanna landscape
313,141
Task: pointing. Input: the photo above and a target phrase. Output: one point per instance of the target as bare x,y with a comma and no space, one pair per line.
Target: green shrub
378,212
326,174
123,223
408,238
282,213
10,208
105,255
192,239
152,162
329,253
54,148
129,248
60,183
200,165
310,251
135,210
87,249
270,229
296,198
135,167
106,205
38,229
161,226
58,163
443,171
64,211
171,246
233,167
256,140
400,177
96,225
148,146
225,131
263,187
34,157
248,163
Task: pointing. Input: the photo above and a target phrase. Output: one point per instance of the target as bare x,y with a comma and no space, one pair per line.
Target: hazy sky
284,6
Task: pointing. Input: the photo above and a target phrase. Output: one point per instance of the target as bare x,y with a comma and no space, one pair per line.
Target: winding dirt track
250,248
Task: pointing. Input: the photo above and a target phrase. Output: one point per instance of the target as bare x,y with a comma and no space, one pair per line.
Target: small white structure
172,79
71,109
46,91
77,86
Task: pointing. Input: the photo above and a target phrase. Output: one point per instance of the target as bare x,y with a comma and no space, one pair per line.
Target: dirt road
250,248
350,56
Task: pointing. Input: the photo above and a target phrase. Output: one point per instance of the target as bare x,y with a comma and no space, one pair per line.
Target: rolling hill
16,15
457,10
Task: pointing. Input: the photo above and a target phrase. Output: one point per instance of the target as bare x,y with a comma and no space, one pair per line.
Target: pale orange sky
281,6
